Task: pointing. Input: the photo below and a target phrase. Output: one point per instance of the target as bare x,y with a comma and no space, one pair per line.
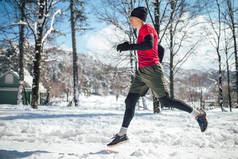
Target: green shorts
149,77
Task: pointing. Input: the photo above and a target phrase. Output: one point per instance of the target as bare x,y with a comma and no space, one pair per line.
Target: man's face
135,22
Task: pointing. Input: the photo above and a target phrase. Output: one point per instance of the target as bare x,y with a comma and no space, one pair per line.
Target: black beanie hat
139,12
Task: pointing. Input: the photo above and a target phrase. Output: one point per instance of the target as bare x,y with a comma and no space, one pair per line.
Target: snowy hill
71,133
97,77
194,82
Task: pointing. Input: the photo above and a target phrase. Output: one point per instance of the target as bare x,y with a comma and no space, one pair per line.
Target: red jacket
148,57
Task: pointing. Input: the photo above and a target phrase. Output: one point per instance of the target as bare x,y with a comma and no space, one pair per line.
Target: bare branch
51,25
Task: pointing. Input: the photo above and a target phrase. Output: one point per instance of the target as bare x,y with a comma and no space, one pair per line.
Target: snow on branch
51,25
35,28
20,23
53,3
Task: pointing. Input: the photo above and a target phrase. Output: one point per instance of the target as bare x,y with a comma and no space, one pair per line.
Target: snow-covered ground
82,133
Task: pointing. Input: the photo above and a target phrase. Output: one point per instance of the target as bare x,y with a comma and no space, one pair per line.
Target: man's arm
147,44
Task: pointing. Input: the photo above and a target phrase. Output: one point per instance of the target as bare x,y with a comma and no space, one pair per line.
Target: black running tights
166,101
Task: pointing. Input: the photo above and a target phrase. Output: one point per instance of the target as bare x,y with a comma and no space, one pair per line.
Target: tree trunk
171,68
75,57
21,57
236,57
47,97
132,53
232,27
220,96
228,82
236,61
228,71
201,100
144,103
157,17
171,76
132,41
156,103
38,51
131,63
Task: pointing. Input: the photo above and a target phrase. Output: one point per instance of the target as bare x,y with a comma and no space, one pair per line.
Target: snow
20,23
82,132
40,20
29,79
51,25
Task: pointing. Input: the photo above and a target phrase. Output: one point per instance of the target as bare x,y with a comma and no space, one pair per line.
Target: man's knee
165,101
131,100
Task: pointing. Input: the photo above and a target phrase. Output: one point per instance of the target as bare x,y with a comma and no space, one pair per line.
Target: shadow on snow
6,154
52,116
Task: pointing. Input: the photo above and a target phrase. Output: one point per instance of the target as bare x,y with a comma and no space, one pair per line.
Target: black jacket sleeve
160,52
147,44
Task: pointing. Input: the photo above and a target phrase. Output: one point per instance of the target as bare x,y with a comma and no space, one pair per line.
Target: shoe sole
205,115
206,126
111,151
120,143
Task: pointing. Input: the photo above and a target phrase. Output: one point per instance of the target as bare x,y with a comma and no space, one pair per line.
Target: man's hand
123,47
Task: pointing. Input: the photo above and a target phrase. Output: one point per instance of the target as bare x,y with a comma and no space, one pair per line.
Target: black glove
123,47
160,52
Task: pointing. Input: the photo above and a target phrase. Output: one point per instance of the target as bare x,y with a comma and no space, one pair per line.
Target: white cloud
101,45
205,56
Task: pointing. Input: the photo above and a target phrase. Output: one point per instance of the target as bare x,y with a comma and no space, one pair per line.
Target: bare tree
227,47
216,42
177,36
232,23
44,8
117,14
75,57
157,20
78,22
169,20
21,52
159,16
38,51
228,81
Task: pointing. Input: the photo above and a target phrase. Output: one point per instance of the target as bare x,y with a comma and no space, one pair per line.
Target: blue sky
92,40
82,37
65,27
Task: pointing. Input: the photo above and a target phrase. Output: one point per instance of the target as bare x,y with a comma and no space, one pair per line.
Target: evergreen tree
21,5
